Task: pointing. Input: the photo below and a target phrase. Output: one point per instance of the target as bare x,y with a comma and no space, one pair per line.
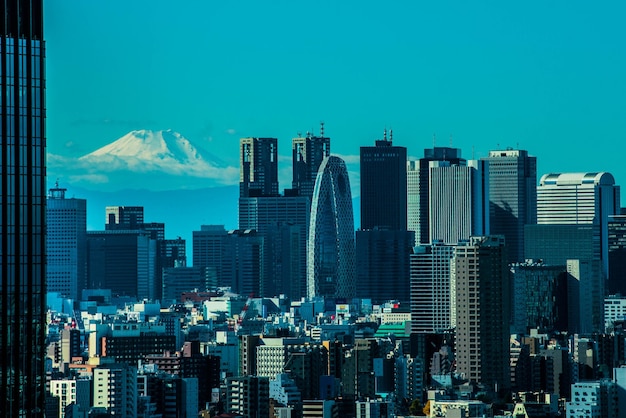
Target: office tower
283,223
123,261
594,400
357,374
418,189
66,243
22,209
308,154
512,197
383,186
579,198
431,294
617,255
540,294
383,259
115,388
258,167
248,396
123,217
459,201
585,290
331,251
481,280
210,251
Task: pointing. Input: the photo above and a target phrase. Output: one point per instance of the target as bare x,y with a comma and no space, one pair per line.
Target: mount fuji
145,159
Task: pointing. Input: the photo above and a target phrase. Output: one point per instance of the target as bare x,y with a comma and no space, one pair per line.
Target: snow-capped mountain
145,159
162,151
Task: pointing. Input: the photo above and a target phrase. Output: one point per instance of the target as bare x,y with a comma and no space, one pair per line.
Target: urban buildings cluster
469,288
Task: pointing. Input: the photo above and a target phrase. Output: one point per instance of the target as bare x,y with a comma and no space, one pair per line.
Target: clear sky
549,77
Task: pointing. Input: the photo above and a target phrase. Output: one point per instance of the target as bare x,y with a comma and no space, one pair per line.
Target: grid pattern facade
617,255
458,201
248,396
115,388
331,248
482,311
308,154
258,167
383,186
512,197
22,209
66,244
431,291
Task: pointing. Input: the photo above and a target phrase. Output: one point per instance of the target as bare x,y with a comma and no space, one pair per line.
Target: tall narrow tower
331,268
22,209
512,197
258,174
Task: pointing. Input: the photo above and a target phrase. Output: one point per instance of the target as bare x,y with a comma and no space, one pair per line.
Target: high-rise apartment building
331,251
66,244
458,201
308,153
248,396
431,293
512,197
383,186
258,165
481,281
115,388
418,188
22,209
579,198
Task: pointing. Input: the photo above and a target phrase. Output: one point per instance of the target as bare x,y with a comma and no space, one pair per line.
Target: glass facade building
331,252
22,209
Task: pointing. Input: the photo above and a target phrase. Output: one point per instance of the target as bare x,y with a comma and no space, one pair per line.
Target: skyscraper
123,217
512,197
579,198
383,186
66,244
22,209
418,188
258,167
330,265
431,292
308,154
458,201
481,281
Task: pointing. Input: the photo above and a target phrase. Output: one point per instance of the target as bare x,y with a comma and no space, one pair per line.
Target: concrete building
458,200
512,197
331,247
248,396
66,243
418,189
481,280
617,255
177,280
431,292
614,310
71,391
577,199
115,388
593,400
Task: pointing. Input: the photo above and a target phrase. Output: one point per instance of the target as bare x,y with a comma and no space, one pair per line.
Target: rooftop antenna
434,140
450,140
385,134
473,158
299,134
322,129
390,135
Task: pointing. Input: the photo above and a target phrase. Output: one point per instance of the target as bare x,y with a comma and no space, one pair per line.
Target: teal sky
549,77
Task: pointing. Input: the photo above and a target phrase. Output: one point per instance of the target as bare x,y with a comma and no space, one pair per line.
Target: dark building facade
512,197
258,162
617,255
22,209
308,154
383,186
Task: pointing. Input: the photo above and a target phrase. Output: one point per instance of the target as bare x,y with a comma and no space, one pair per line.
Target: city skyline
482,76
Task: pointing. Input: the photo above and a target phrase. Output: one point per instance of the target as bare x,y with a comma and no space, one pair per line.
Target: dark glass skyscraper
308,154
258,167
22,209
383,186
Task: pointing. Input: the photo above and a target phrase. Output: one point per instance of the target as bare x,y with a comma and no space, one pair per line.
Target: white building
71,391
115,388
593,400
614,310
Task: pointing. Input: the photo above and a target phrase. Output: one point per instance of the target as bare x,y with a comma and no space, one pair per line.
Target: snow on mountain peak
163,151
